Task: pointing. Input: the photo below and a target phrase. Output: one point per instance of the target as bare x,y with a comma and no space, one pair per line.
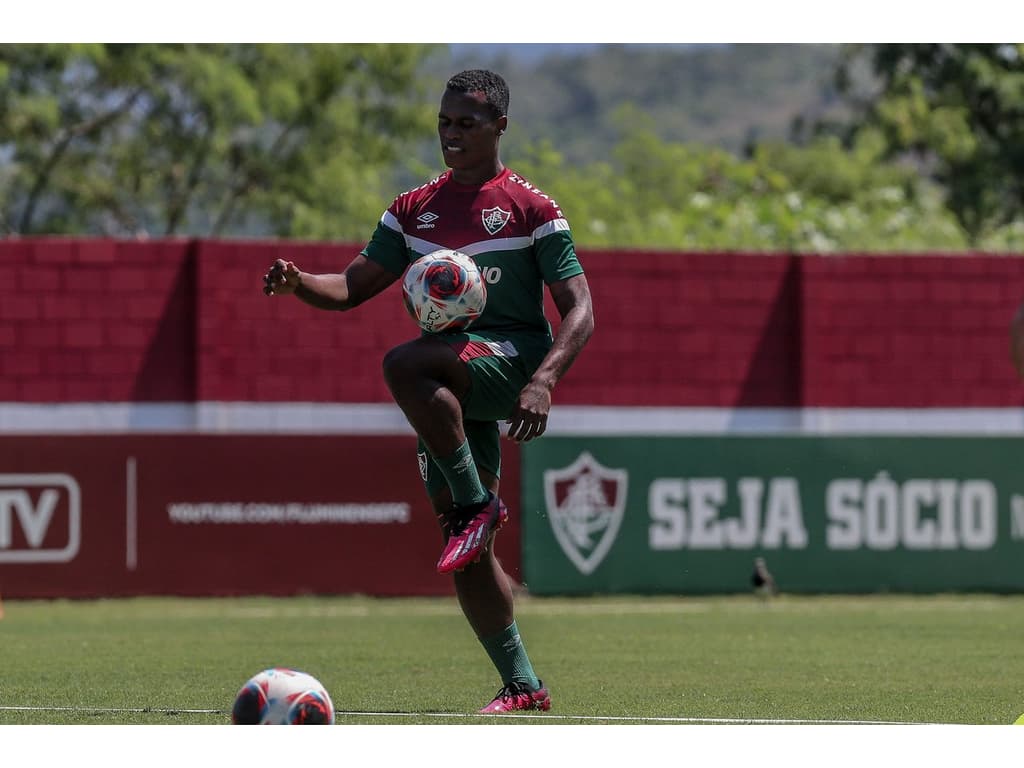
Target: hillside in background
581,97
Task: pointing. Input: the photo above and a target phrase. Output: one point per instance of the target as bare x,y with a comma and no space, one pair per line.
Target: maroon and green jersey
514,232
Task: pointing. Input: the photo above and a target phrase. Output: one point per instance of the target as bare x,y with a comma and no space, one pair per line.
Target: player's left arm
1017,341
529,418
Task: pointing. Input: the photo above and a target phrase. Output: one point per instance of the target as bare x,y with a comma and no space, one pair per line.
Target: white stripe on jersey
420,245
555,225
499,244
388,220
484,246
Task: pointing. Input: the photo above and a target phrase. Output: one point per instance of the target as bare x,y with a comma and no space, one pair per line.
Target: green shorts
500,365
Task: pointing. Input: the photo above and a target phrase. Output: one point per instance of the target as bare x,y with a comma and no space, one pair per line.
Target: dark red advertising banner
94,515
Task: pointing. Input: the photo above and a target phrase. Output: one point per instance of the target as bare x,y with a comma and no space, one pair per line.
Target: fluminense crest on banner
585,503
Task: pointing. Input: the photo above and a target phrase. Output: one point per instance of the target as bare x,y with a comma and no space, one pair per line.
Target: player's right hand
281,279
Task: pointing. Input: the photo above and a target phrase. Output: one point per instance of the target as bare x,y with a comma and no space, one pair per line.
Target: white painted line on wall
578,420
131,515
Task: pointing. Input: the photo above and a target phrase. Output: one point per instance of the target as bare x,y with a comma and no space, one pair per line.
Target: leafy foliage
133,140
957,109
819,198
718,95
754,147
819,148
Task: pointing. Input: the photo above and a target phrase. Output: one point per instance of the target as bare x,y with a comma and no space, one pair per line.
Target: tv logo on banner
40,518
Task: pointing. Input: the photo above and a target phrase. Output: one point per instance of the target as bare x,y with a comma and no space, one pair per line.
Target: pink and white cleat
470,531
516,697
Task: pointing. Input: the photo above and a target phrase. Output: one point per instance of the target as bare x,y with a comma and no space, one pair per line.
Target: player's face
469,136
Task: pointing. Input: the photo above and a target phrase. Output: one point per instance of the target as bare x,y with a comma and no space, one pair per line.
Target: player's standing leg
429,382
485,595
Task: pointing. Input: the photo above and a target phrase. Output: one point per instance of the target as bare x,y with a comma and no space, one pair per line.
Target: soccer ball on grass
282,696
444,291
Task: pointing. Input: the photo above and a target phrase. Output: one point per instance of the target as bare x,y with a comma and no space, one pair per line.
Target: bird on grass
762,579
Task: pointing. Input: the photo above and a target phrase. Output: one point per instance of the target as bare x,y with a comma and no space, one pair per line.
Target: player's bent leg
428,382
477,512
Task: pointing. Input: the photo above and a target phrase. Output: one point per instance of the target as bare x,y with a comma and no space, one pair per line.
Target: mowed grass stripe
341,716
822,659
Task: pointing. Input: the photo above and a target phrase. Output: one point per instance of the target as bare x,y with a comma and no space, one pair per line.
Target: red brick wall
96,320
689,329
257,348
910,331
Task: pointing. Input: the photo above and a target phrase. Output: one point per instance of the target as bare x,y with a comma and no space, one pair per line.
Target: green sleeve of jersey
556,255
387,248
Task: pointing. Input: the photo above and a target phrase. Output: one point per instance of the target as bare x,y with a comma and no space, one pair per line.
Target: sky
534,21
530,52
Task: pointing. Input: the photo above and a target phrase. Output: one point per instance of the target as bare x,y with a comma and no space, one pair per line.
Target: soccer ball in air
282,696
444,291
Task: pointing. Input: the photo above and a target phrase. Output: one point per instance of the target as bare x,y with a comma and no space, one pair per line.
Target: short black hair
491,84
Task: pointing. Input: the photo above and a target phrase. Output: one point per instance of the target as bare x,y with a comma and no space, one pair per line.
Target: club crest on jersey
495,219
585,503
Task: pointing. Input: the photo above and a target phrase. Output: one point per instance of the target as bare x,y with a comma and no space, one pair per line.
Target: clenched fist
282,278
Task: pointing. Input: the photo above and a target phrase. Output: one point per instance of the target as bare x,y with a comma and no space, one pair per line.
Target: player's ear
501,124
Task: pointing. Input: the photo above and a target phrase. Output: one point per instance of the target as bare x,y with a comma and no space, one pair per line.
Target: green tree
959,111
213,139
819,198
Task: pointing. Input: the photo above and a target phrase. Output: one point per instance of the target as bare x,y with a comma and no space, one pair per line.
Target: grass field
621,660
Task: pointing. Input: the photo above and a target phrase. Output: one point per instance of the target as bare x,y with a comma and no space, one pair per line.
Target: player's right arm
362,279
378,265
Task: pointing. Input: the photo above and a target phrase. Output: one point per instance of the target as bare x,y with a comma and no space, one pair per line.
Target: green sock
460,472
509,656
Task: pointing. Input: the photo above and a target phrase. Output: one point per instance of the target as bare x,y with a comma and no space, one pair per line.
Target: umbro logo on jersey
494,219
426,220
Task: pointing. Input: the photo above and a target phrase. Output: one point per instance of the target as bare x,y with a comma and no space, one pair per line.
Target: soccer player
455,388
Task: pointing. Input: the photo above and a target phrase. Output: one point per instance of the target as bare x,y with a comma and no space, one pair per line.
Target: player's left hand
529,419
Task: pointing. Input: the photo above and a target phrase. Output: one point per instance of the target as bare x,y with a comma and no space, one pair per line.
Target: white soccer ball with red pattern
282,696
444,291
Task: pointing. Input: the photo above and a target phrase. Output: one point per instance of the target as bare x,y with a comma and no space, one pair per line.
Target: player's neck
475,177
